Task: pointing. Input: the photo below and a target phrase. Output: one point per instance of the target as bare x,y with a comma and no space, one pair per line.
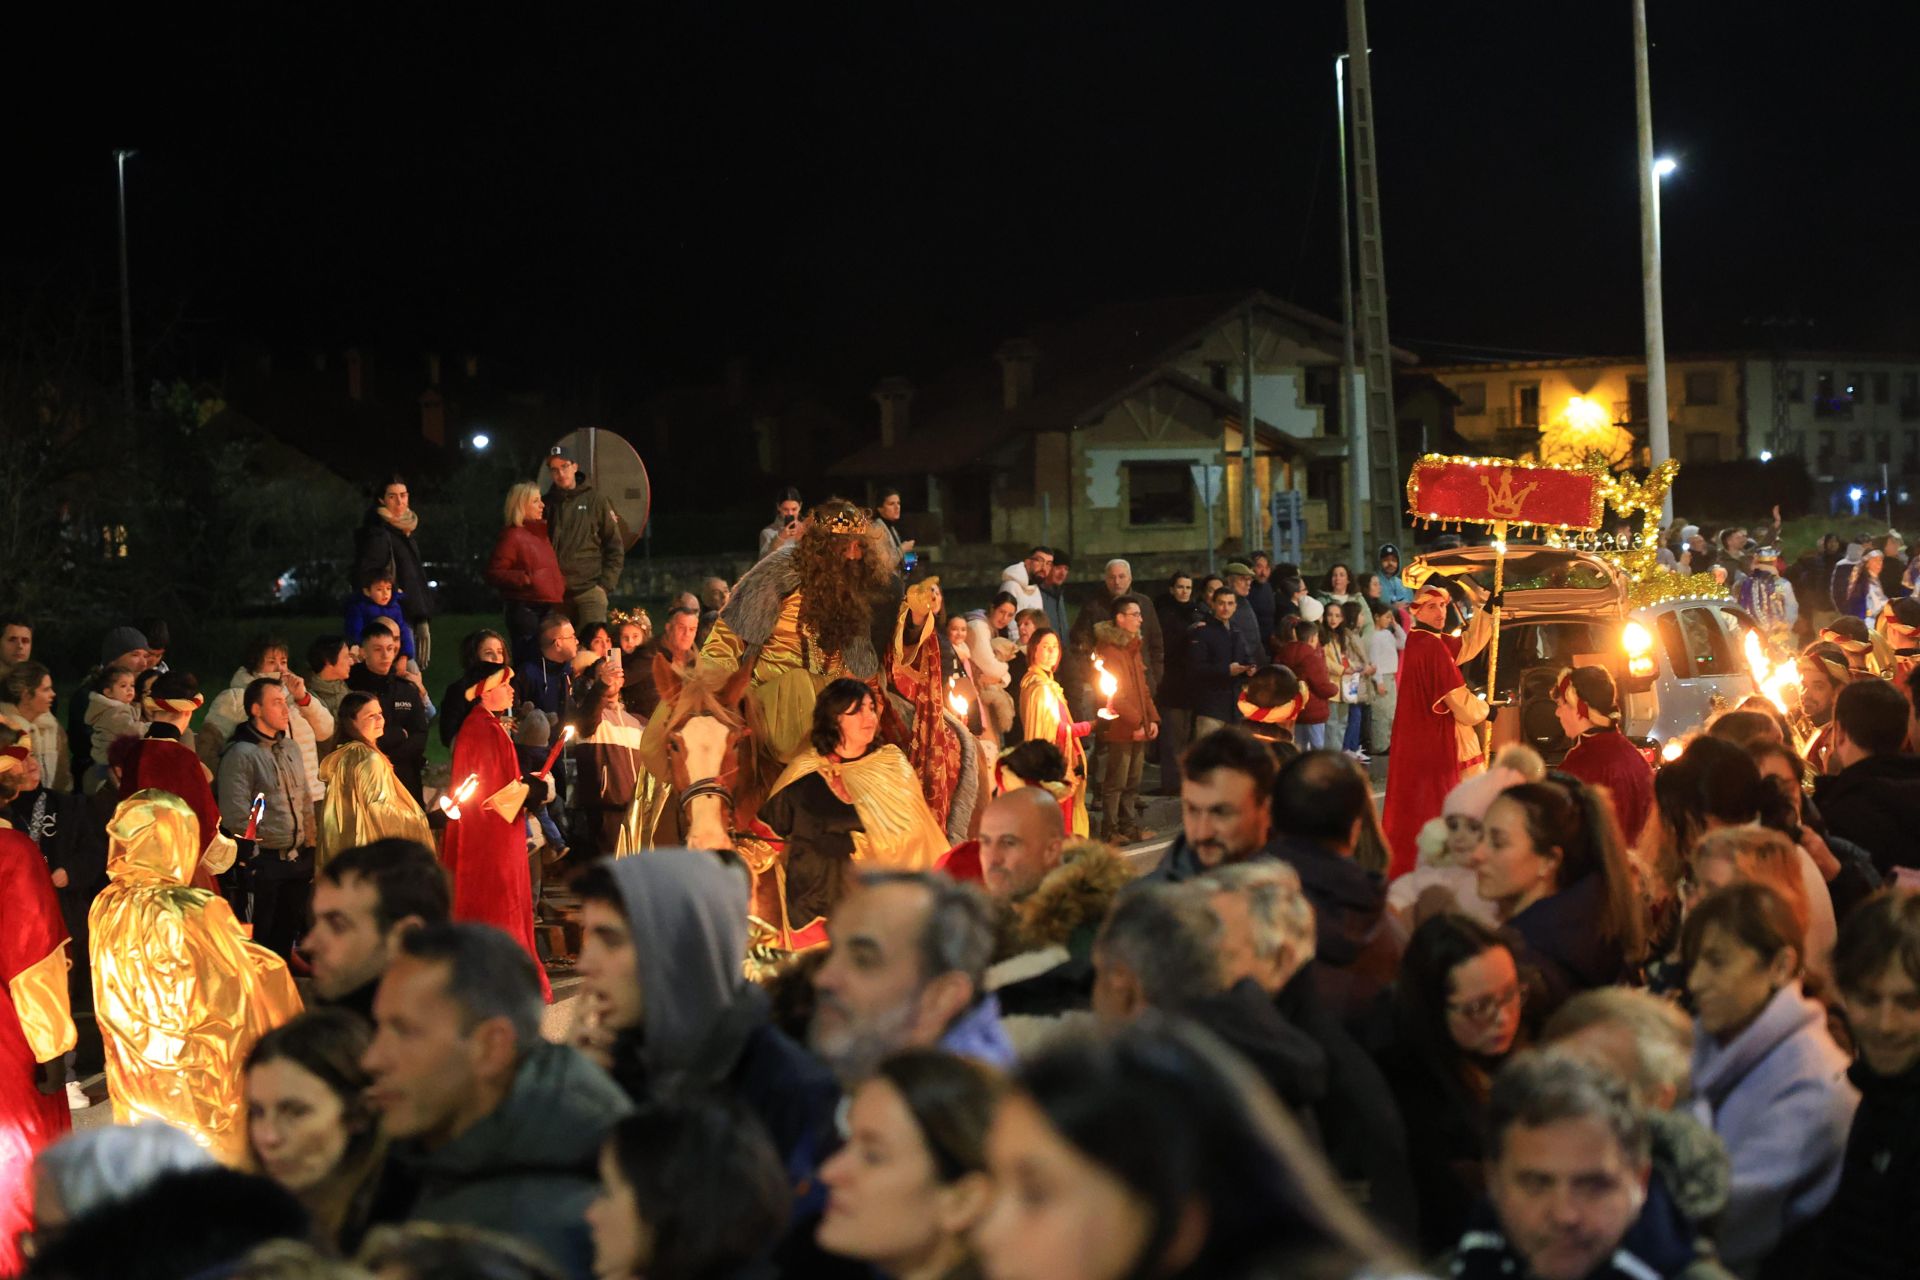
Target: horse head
709,748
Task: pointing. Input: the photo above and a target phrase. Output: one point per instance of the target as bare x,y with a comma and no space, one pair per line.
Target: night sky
837,197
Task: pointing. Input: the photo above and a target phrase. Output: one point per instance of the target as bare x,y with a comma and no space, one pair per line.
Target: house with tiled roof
1119,431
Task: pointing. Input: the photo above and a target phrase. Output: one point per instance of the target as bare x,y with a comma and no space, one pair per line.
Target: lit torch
1773,680
956,701
1109,685
450,802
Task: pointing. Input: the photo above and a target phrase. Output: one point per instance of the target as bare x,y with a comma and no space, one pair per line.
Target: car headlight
1636,640
1641,666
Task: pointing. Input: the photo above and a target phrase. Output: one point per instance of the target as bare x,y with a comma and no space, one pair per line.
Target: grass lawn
1804,532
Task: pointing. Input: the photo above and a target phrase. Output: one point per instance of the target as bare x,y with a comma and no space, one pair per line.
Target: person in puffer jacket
266,657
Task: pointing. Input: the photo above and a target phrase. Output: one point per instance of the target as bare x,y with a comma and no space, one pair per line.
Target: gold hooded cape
899,831
180,994
364,802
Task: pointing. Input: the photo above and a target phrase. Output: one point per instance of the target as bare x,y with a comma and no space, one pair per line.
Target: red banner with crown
1445,490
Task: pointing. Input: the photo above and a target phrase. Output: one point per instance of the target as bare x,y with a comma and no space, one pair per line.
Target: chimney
356,377
895,396
433,369
433,417
1017,357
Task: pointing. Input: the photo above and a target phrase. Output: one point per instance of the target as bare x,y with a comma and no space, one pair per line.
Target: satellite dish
614,468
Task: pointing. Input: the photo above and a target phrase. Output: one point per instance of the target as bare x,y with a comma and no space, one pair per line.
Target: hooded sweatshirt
706,1029
1778,1096
528,1168
1357,942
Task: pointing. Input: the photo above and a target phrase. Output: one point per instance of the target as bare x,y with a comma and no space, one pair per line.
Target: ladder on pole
1376,355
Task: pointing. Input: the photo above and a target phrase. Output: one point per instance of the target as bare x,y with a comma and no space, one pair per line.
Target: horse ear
666,678
735,690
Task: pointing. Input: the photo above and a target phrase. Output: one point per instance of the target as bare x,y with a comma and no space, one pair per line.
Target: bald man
1021,835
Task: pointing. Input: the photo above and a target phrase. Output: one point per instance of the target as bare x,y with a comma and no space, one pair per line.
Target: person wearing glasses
1460,1009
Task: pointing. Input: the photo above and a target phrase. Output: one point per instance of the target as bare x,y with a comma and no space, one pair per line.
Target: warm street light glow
1664,166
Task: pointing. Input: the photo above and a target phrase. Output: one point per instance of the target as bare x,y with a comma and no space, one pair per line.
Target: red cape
166,765
1607,759
31,929
1425,763
485,854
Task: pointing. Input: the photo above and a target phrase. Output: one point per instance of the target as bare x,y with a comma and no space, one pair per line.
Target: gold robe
898,830
1045,715
788,673
180,994
364,802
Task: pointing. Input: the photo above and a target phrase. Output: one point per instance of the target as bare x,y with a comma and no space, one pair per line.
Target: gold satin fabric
900,833
180,994
364,802
1044,714
40,1001
787,676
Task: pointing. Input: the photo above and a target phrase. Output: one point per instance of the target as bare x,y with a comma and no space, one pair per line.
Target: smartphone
909,561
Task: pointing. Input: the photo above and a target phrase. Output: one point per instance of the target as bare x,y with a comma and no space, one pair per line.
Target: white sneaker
77,1099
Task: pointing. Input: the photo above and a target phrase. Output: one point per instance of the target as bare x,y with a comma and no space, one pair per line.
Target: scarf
406,522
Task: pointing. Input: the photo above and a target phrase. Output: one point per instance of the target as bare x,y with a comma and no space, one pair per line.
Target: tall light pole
1349,428
1651,171
120,159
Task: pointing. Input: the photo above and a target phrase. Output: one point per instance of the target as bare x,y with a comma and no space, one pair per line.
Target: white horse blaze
704,739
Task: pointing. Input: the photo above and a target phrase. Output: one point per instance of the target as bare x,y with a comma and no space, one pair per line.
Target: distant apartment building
1846,414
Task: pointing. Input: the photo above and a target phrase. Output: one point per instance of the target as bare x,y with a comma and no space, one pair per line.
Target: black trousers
274,894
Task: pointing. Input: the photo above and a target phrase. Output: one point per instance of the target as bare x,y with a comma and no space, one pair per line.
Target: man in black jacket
1267,936
1319,808
1873,791
403,699
385,544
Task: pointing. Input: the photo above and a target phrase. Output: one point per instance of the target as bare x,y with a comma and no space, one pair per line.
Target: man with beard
907,970
1824,672
802,617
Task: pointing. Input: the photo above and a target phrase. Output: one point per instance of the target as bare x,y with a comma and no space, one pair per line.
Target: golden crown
848,519
638,616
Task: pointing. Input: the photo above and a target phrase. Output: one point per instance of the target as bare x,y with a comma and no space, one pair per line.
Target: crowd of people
874,974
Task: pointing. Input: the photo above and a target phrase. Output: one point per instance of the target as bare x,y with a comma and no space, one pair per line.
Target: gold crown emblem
844,519
1503,503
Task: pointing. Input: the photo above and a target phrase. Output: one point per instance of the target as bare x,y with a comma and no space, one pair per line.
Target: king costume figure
485,849
36,1024
180,992
1434,743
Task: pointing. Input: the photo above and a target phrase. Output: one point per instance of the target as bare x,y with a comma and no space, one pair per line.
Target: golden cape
364,802
900,833
180,994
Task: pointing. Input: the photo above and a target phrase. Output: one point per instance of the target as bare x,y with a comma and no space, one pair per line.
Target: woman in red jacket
1295,645
525,570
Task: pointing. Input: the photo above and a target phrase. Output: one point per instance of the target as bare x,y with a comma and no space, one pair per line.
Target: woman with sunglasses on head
1459,1011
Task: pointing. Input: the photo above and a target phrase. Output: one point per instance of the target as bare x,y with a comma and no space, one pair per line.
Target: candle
566,736
450,802
255,812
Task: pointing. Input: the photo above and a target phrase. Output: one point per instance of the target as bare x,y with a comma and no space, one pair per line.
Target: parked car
1676,662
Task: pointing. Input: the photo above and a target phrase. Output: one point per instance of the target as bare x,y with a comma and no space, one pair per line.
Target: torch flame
1773,680
1109,685
956,701
567,734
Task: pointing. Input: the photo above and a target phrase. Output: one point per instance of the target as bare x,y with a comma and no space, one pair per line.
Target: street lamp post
1651,171
120,159
1349,430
